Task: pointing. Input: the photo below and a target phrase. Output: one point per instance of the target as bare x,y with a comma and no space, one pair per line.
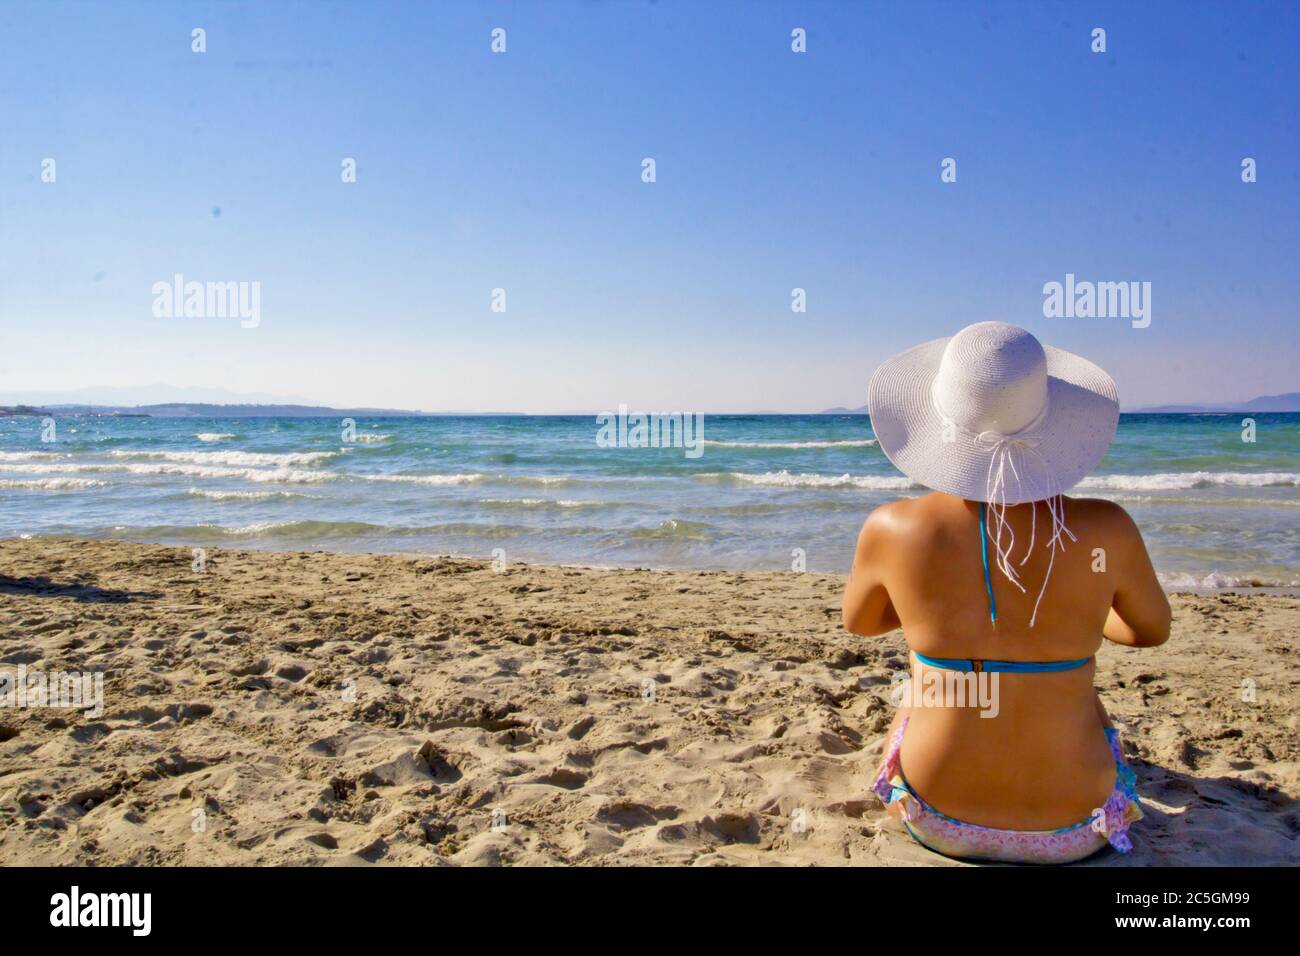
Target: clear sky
523,171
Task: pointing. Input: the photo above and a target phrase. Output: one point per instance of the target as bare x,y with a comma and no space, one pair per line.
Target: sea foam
1180,481
240,458
786,479
51,484
427,479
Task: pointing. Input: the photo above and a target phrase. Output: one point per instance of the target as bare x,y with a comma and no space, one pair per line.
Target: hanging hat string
1005,449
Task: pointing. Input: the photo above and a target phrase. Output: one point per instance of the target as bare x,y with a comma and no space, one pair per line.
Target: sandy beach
320,708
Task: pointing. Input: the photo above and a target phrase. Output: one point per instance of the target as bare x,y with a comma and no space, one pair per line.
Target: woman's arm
867,608
1139,614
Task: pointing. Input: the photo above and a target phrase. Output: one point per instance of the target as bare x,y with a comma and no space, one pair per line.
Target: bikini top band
1006,667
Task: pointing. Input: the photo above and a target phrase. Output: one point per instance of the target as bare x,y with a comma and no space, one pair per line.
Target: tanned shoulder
1099,509
898,519
1114,525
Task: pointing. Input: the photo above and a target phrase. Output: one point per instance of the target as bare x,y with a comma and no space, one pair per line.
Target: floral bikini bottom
943,834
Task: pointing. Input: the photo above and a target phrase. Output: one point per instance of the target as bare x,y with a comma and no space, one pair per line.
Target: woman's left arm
867,608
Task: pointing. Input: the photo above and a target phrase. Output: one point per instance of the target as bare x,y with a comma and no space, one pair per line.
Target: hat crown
992,378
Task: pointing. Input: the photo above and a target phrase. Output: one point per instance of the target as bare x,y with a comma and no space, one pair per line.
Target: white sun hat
953,412
993,415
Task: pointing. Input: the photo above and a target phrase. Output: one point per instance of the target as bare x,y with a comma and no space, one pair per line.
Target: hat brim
1073,436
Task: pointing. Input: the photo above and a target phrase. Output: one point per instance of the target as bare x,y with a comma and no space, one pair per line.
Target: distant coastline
213,410
1287,402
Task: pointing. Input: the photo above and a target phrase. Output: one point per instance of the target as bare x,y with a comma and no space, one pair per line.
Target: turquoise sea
1216,511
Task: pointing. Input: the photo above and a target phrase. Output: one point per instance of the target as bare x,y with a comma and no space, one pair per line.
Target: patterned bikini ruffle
957,838
1123,808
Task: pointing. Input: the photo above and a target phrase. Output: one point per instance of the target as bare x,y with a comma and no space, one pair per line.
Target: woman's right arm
1139,614
867,610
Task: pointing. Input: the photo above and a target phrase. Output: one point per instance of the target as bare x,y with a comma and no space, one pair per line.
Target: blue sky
522,171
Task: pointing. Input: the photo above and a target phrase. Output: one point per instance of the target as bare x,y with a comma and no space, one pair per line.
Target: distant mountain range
1288,402
115,396
171,401
82,402
206,410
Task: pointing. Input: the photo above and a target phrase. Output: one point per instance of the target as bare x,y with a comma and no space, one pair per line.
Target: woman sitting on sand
998,573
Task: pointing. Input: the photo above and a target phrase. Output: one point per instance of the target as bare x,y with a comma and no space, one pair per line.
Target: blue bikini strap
988,581
1008,667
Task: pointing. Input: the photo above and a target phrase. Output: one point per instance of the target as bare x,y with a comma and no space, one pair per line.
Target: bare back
1043,761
